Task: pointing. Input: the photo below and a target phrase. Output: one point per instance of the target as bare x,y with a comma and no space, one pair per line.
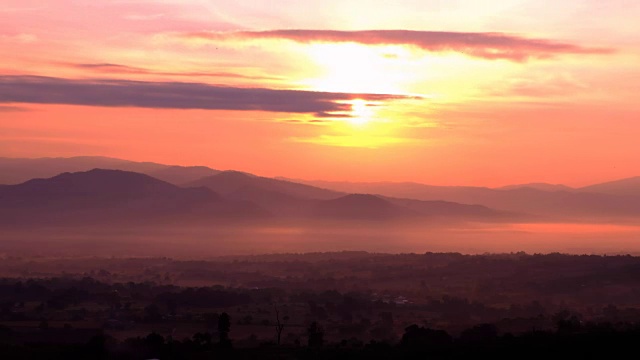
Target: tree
279,325
419,337
224,326
315,332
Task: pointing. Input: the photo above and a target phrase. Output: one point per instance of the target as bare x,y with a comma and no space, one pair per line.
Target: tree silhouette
224,326
420,337
279,325
315,332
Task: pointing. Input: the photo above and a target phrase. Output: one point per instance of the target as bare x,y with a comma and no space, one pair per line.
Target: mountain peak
97,181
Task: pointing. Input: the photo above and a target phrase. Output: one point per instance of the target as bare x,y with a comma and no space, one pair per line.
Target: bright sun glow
361,113
357,68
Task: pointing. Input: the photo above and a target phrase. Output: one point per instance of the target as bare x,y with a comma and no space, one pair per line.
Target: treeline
570,340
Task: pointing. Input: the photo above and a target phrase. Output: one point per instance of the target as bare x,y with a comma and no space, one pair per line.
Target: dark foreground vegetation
322,305
592,340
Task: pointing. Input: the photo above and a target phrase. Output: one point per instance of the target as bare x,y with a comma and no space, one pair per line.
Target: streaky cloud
486,45
174,95
110,68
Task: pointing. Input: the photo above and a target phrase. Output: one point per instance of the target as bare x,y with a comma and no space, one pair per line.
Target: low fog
201,241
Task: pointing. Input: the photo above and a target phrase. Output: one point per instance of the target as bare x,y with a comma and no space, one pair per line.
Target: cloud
109,68
311,121
174,95
482,45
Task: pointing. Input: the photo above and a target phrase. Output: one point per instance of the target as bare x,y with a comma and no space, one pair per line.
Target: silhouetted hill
438,208
106,196
568,205
228,182
15,171
405,190
360,206
617,200
624,187
275,202
93,183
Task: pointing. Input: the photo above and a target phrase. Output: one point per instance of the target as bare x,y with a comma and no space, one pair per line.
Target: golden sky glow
432,91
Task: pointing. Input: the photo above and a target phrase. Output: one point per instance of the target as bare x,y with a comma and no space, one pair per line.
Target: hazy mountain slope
228,182
275,202
623,187
15,171
573,205
361,206
404,190
107,196
436,208
538,186
179,175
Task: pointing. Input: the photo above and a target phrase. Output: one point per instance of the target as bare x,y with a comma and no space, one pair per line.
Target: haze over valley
73,205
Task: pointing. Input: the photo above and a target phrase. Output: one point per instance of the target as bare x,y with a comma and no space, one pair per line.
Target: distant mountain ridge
607,201
18,170
113,196
299,199
624,187
361,206
102,196
538,186
227,182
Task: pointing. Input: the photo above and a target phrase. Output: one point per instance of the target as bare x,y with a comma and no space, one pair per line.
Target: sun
354,68
361,113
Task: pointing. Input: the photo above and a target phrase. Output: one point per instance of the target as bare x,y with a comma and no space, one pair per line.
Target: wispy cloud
174,95
481,45
109,68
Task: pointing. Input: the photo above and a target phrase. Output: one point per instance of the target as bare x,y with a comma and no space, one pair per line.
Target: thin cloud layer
173,95
108,68
481,45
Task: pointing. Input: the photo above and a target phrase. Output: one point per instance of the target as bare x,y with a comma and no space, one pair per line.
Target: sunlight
361,113
349,67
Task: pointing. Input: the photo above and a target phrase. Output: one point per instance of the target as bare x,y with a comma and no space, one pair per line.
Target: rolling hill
18,170
113,196
591,203
228,182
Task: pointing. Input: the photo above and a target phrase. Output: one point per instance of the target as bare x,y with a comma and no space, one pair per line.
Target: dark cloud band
173,95
481,45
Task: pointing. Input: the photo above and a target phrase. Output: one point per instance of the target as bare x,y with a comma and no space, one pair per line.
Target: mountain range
607,201
107,190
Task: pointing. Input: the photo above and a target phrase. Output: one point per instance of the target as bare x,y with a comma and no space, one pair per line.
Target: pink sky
461,93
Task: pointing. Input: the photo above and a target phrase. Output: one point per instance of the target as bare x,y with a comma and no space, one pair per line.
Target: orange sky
461,93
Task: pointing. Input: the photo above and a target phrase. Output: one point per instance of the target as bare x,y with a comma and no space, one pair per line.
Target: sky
451,92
